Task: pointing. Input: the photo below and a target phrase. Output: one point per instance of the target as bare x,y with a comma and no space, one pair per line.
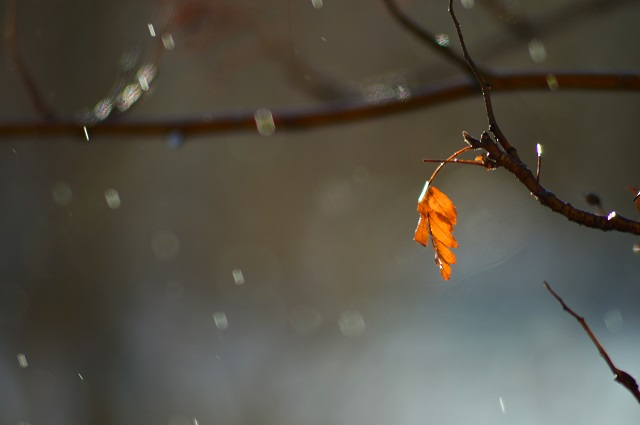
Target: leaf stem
448,160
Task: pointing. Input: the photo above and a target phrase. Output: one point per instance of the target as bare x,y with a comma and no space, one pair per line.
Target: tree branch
426,37
620,376
611,222
331,114
486,91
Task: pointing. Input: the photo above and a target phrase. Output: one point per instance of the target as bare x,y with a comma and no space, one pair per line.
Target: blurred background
270,277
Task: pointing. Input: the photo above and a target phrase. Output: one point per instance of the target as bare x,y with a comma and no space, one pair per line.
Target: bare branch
620,376
426,37
612,221
331,114
486,91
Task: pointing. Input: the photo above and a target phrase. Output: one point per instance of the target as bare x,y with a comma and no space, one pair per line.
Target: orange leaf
437,218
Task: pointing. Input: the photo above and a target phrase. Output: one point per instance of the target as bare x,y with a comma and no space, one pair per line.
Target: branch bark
331,114
620,376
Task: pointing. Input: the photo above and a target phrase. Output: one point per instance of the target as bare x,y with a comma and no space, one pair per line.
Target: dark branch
332,114
620,376
611,222
426,37
486,91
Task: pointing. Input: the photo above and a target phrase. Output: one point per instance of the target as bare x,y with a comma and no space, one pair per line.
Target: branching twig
620,376
502,154
426,37
611,222
486,91
452,158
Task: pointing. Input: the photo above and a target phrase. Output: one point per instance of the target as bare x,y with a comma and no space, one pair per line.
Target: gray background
132,316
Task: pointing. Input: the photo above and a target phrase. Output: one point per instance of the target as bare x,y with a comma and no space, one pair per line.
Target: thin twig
620,376
449,160
11,36
426,37
455,161
329,114
486,91
557,19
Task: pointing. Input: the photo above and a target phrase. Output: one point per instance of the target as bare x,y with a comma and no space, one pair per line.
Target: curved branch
611,222
620,376
331,114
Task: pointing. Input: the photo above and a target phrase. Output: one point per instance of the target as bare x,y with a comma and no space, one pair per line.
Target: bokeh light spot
220,320
145,76
317,3
102,109
468,4
552,82
113,198
22,360
238,277
264,122
442,40
167,41
128,97
537,51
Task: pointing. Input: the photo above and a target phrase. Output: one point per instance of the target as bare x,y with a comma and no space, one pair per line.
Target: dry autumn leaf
437,218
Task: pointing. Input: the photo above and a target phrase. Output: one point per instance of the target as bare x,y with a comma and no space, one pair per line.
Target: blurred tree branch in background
193,16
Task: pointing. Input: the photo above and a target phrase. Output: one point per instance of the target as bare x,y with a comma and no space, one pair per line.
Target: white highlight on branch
502,405
86,133
152,31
